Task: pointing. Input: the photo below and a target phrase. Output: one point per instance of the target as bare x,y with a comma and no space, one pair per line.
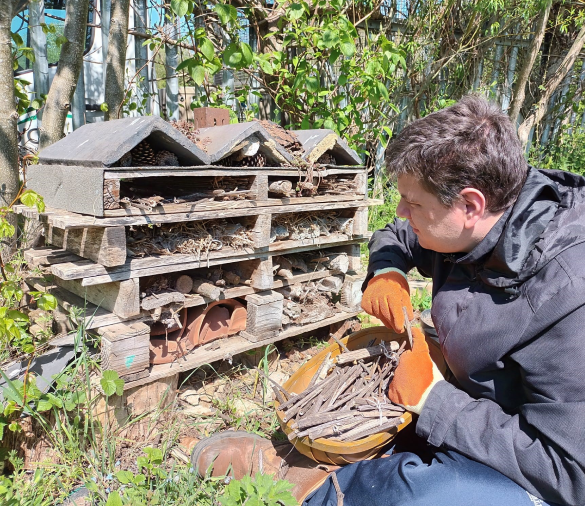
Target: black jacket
510,316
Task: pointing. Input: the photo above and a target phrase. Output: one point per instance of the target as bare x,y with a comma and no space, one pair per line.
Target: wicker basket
336,452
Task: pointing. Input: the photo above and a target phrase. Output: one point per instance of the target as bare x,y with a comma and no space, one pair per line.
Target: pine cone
143,154
126,160
166,159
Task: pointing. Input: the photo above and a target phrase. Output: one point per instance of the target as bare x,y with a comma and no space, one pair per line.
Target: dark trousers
446,479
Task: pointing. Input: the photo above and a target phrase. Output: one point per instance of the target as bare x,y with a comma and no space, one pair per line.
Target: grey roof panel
317,142
222,141
103,144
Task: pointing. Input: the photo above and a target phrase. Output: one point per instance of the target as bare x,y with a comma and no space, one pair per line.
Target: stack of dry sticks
350,403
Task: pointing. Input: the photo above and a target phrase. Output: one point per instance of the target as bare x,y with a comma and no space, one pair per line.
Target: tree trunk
141,52
39,45
68,69
116,59
524,74
171,62
9,181
550,87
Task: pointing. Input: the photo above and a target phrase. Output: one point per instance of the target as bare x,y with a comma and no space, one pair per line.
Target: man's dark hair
471,144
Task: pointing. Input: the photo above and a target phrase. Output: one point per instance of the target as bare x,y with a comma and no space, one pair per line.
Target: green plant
261,490
421,299
23,490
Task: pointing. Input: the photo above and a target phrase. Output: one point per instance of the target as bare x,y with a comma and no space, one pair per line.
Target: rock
199,410
245,407
188,443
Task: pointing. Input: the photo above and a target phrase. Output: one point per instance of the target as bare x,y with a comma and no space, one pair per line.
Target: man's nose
402,210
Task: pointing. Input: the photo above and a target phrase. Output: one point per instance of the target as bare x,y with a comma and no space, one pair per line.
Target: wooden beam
120,297
105,246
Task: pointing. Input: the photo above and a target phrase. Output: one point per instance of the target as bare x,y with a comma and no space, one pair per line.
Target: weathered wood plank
106,246
120,297
48,256
94,274
91,316
229,347
208,170
67,221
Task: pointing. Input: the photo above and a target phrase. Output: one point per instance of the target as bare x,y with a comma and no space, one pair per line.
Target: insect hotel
186,246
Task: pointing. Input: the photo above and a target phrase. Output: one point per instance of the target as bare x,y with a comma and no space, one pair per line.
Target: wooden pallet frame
226,348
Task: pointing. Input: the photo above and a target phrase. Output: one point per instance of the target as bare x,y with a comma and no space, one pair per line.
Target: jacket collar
504,251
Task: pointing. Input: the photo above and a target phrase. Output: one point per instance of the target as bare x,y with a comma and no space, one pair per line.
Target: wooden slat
92,316
94,274
213,171
229,347
230,204
69,220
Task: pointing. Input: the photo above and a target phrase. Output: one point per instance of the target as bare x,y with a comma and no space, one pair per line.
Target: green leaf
185,64
226,13
347,47
47,302
55,401
330,38
295,11
17,39
312,83
335,53
139,479
342,80
329,123
154,454
306,123
207,48
232,56
382,90
114,499
180,7
111,383
60,40
247,54
91,486
6,229
124,477
44,404
197,73
104,107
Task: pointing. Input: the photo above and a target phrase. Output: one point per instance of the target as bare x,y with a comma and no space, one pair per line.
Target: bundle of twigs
296,226
337,185
350,402
195,238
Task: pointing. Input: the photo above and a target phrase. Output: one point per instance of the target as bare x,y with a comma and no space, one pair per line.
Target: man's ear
475,206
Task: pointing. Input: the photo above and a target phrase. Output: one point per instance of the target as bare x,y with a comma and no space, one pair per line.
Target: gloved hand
384,298
415,375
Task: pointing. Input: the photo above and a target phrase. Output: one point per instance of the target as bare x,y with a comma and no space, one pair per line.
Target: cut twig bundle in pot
350,403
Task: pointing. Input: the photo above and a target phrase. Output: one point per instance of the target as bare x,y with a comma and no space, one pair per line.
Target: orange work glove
415,375
384,298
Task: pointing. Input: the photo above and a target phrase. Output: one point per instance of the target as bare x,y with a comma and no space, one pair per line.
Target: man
504,244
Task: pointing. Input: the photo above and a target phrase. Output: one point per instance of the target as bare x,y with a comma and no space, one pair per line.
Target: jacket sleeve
396,245
541,446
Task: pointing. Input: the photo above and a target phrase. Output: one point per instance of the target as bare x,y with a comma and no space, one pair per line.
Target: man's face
439,228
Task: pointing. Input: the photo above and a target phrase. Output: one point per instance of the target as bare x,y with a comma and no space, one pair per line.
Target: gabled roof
317,142
103,144
222,141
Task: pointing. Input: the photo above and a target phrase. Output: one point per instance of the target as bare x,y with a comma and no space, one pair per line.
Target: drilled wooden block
264,319
351,291
125,348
